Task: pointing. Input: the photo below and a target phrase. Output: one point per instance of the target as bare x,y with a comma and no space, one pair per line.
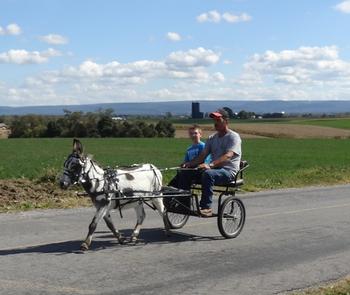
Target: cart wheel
175,220
231,217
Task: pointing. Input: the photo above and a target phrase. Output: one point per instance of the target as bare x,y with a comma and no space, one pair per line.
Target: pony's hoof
134,240
84,247
121,240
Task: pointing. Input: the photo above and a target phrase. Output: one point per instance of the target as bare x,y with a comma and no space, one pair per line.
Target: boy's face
194,134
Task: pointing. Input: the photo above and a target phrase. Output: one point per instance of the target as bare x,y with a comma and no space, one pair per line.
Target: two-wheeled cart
230,214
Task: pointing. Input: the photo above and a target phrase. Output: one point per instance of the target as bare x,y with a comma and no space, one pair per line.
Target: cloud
11,29
91,82
231,18
211,16
193,58
218,77
21,56
54,39
190,64
310,73
214,16
305,65
343,6
172,36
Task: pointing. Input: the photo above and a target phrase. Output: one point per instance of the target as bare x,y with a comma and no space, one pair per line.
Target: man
224,146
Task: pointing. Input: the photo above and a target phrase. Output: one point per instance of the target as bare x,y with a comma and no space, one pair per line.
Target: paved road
292,239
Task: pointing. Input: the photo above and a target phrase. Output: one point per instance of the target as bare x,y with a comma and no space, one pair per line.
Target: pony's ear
77,146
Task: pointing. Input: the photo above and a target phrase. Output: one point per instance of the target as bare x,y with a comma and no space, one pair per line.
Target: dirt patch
264,130
24,194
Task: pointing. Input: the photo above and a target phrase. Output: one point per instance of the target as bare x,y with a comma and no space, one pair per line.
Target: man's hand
185,165
204,166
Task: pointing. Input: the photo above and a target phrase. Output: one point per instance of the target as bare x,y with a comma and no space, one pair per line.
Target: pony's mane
91,158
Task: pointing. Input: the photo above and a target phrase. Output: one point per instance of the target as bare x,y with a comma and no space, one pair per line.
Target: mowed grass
341,123
274,163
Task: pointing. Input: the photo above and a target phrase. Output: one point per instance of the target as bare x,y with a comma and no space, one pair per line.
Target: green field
342,123
274,163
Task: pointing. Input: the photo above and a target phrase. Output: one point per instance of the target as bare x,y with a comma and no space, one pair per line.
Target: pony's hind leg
140,213
100,213
158,203
108,219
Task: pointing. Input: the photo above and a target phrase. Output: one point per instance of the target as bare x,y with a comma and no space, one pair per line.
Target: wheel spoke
176,220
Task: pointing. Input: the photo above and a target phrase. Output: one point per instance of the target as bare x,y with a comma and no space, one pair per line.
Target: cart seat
234,183
237,182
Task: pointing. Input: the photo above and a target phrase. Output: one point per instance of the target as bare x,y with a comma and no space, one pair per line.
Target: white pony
103,186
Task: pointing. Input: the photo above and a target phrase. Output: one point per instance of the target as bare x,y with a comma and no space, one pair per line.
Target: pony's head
73,166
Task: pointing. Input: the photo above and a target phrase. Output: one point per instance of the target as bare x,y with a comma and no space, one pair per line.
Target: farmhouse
4,131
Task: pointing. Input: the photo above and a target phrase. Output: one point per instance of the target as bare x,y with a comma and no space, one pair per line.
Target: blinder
72,167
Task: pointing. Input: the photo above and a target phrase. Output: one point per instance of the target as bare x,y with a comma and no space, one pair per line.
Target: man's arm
224,158
197,160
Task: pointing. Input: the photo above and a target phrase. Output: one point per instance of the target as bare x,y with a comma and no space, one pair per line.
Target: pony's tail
158,176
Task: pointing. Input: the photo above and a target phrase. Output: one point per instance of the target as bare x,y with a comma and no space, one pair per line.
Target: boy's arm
186,158
197,160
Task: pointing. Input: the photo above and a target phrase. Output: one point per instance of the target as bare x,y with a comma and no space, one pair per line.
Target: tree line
243,115
79,124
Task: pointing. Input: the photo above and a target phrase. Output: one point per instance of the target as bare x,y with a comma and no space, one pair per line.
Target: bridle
81,175
71,172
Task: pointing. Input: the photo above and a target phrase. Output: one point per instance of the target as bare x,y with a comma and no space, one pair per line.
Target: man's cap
220,113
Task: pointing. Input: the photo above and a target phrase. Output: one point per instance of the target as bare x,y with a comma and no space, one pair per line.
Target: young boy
195,134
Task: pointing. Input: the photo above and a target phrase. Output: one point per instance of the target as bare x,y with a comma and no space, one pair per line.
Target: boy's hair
195,127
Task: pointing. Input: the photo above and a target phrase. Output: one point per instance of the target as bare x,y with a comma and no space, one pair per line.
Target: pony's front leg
108,219
100,213
140,213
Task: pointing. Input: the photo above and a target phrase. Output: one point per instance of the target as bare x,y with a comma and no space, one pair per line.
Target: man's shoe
206,212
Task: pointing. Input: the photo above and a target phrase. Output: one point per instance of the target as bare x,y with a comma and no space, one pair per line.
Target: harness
110,188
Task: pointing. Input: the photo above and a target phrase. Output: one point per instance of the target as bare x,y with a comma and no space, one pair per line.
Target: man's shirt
218,146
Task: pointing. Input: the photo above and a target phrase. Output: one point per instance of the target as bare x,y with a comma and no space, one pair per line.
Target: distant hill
184,107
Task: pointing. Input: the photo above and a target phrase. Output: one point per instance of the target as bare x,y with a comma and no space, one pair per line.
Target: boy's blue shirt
194,150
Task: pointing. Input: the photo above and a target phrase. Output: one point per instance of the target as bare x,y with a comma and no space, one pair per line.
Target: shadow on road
107,241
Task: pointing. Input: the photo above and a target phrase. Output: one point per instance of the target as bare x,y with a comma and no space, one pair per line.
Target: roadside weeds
338,287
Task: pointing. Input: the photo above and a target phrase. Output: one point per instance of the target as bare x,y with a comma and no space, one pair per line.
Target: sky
55,52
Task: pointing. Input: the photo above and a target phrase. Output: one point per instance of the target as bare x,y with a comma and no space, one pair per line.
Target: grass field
341,123
275,163
278,128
